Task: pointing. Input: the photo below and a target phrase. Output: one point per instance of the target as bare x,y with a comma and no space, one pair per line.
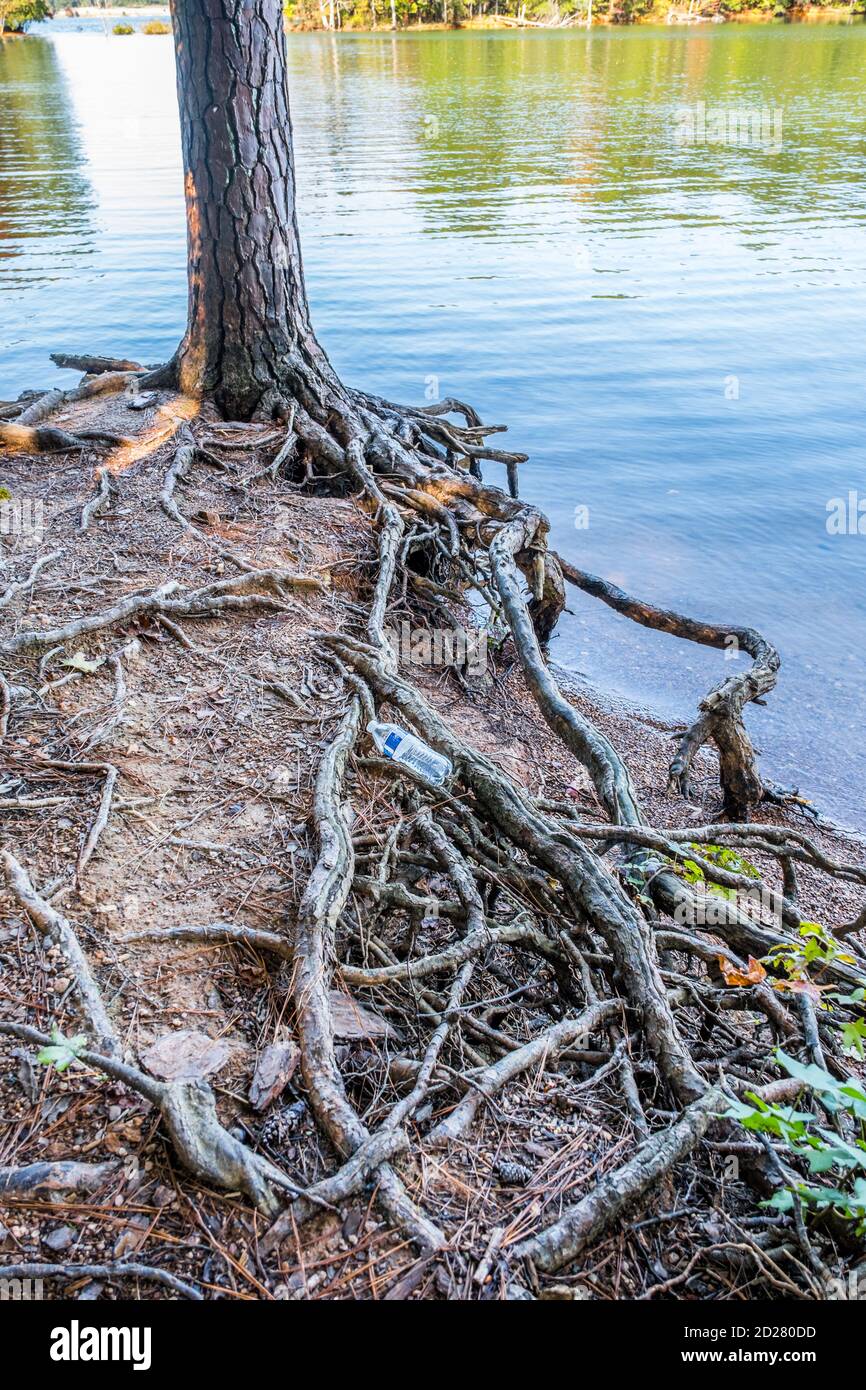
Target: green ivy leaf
852,1038
781,1201
813,1076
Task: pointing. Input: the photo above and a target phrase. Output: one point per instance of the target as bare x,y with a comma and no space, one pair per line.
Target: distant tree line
15,15
401,14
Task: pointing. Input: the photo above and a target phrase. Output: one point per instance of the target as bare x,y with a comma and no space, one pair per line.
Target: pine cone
280,1125
513,1173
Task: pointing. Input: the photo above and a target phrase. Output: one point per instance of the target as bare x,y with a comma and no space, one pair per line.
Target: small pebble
59,1239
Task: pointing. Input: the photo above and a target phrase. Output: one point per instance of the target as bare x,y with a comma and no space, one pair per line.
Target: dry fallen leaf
79,662
185,1056
807,987
352,1020
753,975
274,1071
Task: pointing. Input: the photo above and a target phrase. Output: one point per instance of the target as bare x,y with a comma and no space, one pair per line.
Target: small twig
99,500
21,584
53,925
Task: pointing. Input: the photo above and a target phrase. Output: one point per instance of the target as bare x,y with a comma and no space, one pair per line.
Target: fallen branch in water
721,711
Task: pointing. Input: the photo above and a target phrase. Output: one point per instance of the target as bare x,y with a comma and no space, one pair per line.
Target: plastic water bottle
404,747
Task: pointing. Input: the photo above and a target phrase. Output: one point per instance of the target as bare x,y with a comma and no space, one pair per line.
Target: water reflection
46,204
91,198
673,332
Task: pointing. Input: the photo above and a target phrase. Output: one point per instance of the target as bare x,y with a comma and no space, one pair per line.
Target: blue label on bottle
392,743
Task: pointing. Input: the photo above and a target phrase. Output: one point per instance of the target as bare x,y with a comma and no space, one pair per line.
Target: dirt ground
209,823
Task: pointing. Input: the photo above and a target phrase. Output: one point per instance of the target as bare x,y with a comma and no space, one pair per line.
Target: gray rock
60,1238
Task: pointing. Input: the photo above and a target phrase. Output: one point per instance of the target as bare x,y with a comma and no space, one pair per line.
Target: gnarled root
509,877
323,901
721,711
188,1111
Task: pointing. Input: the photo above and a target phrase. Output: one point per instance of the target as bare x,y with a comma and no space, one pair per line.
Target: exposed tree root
498,894
118,1269
188,1110
45,439
584,1223
58,929
721,711
546,1047
593,891
94,366
5,705
41,1179
21,585
237,592
323,901
99,501
186,455
99,823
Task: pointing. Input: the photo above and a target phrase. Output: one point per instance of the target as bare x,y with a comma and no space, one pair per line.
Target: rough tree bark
249,343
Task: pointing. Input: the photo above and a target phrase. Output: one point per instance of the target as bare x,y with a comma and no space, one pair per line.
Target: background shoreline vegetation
15,15
549,14
377,15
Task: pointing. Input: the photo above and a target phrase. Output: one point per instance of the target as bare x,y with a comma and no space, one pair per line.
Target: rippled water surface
674,332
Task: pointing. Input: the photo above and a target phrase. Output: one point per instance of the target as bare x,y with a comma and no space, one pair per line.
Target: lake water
673,328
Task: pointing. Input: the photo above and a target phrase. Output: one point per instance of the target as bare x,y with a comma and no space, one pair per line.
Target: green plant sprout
63,1051
822,1149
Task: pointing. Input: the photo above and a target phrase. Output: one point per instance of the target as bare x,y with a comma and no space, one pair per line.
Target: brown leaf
185,1056
807,987
274,1070
132,1238
115,1143
753,975
351,1020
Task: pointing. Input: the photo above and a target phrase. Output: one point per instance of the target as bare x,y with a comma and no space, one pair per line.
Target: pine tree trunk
248,330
